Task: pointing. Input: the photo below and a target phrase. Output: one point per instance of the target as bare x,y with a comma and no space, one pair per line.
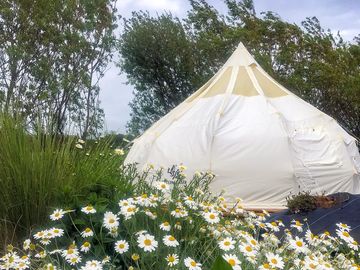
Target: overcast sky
337,15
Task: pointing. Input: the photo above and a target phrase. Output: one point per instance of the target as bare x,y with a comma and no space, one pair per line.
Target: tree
313,63
52,54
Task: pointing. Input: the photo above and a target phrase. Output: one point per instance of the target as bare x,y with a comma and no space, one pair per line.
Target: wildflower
121,246
110,220
81,141
165,226
87,233
170,241
343,227
147,242
179,213
50,266
56,232
172,259
119,151
74,260
344,235
247,250
275,260
298,245
135,257
211,217
57,214
88,209
192,264
232,260
162,186
182,168
85,247
227,244
92,265
79,146
297,225
26,244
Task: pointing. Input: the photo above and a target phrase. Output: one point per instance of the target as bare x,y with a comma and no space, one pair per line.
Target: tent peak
240,57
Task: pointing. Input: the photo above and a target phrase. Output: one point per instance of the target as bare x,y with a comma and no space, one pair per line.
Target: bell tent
261,141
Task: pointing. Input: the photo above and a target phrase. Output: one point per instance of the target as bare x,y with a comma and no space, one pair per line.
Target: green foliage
221,264
38,172
301,203
52,54
315,64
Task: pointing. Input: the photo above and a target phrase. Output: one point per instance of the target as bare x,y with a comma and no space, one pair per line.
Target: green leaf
221,264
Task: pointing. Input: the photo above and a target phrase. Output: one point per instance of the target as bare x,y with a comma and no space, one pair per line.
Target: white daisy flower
248,250
179,213
128,211
92,265
345,235
233,261
298,245
170,241
275,261
165,226
162,186
297,225
57,214
211,217
172,259
119,151
89,209
343,227
121,246
87,233
85,247
110,220
227,244
192,264
56,232
147,242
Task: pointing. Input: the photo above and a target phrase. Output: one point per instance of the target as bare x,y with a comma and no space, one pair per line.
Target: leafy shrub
38,172
301,203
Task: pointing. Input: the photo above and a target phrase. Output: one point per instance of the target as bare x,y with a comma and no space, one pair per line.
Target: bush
301,203
38,172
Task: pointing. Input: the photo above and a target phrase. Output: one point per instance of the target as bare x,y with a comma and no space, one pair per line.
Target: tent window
243,85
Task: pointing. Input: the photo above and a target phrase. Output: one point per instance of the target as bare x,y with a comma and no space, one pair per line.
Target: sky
337,15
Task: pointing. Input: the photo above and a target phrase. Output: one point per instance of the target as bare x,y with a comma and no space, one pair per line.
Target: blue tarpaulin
325,219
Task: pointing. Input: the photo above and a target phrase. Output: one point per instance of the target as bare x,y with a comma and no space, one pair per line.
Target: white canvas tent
260,140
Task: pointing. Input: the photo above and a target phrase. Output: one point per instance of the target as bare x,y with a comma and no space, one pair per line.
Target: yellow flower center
266,266
147,242
232,262
248,248
111,220
171,259
227,243
121,246
274,261
193,263
346,234
212,216
87,230
171,238
253,242
166,223
299,243
86,244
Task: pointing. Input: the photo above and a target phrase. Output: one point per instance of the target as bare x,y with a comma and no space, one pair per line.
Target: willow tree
52,54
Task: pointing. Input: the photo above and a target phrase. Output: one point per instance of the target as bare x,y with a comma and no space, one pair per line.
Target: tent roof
241,75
